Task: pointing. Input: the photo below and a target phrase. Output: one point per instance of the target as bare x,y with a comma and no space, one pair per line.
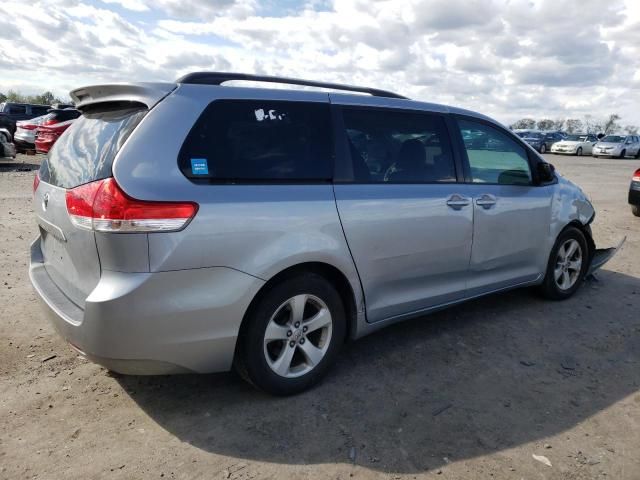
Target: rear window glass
63,115
259,140
39,110
86,150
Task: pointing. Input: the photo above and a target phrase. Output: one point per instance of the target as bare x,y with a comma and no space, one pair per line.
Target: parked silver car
618,146
192,227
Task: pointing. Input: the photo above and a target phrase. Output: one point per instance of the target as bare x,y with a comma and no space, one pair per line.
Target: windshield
529,135
576,138
613,139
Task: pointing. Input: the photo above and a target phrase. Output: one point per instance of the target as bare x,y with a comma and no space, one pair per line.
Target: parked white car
575,144
618,146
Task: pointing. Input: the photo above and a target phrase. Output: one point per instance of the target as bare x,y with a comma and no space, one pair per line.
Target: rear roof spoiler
148,94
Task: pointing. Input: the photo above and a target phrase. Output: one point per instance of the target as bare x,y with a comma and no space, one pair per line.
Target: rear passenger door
511,213
407,225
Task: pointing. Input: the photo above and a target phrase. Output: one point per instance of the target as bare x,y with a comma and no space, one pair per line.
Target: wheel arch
330,273
586,231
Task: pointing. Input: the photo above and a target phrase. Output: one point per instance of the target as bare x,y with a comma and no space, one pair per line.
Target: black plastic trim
218,78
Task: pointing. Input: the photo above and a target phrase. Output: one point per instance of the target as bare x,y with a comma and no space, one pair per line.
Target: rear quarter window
86,150
259,141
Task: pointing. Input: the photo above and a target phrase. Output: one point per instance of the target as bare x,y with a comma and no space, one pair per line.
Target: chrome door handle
456,201
486,201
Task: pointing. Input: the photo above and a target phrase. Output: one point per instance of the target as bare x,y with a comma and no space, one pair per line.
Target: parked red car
46,135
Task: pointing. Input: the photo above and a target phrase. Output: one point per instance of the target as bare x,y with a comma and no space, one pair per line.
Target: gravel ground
472,392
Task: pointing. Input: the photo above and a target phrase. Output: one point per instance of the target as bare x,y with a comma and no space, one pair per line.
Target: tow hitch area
603,255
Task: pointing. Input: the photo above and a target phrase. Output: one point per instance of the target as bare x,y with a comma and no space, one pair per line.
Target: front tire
623,154
579,152
543,148
635,209
567,265
292,335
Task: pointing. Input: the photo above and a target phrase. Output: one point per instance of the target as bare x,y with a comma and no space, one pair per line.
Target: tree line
45,98
588,124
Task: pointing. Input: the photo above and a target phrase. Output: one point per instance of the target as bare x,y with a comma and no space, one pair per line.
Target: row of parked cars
616,146
27,127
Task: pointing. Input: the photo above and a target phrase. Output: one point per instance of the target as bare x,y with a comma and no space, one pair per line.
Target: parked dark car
11,112
540,140
634,193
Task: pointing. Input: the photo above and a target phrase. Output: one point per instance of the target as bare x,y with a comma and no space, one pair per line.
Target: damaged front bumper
603,255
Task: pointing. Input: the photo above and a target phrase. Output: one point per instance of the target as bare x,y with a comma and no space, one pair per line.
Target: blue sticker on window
199,166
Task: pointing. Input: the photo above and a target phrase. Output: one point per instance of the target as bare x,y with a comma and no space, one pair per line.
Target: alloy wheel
568,264
298,336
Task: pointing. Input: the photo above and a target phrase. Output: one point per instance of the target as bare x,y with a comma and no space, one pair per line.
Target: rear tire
567,265
635,209
291,335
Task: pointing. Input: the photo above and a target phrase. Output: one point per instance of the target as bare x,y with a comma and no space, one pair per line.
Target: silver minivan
195,226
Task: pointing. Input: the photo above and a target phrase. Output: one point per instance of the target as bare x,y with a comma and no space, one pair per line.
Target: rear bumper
634,193
152,323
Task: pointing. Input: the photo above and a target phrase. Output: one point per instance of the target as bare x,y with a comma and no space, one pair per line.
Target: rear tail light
36,182
27,126
102,206
636,176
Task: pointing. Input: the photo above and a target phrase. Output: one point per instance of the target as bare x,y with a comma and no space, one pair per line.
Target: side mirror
545,172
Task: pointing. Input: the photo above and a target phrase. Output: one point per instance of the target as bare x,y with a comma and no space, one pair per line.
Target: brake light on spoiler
102,206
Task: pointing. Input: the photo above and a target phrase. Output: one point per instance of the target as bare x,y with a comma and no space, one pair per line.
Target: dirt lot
472,392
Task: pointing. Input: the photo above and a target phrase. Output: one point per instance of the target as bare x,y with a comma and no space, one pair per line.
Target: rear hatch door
84,153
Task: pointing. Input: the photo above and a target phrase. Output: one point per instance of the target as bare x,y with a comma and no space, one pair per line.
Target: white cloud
134,5
505,58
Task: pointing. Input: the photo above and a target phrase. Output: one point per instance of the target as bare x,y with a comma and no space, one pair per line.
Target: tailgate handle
51,228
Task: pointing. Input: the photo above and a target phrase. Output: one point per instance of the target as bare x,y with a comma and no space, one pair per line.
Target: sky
508,59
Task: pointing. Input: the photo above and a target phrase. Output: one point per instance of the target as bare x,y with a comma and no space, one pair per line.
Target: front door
407,224
511,214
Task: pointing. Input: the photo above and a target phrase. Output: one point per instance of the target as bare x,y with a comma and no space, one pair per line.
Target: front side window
261,141
398,147
493,156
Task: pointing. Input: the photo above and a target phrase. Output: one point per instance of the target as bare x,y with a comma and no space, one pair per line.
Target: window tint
39,110
259,140
494,157
398,147
17,109
63,115
86,150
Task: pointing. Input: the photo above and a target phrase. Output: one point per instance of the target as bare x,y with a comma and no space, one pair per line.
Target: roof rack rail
218,78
